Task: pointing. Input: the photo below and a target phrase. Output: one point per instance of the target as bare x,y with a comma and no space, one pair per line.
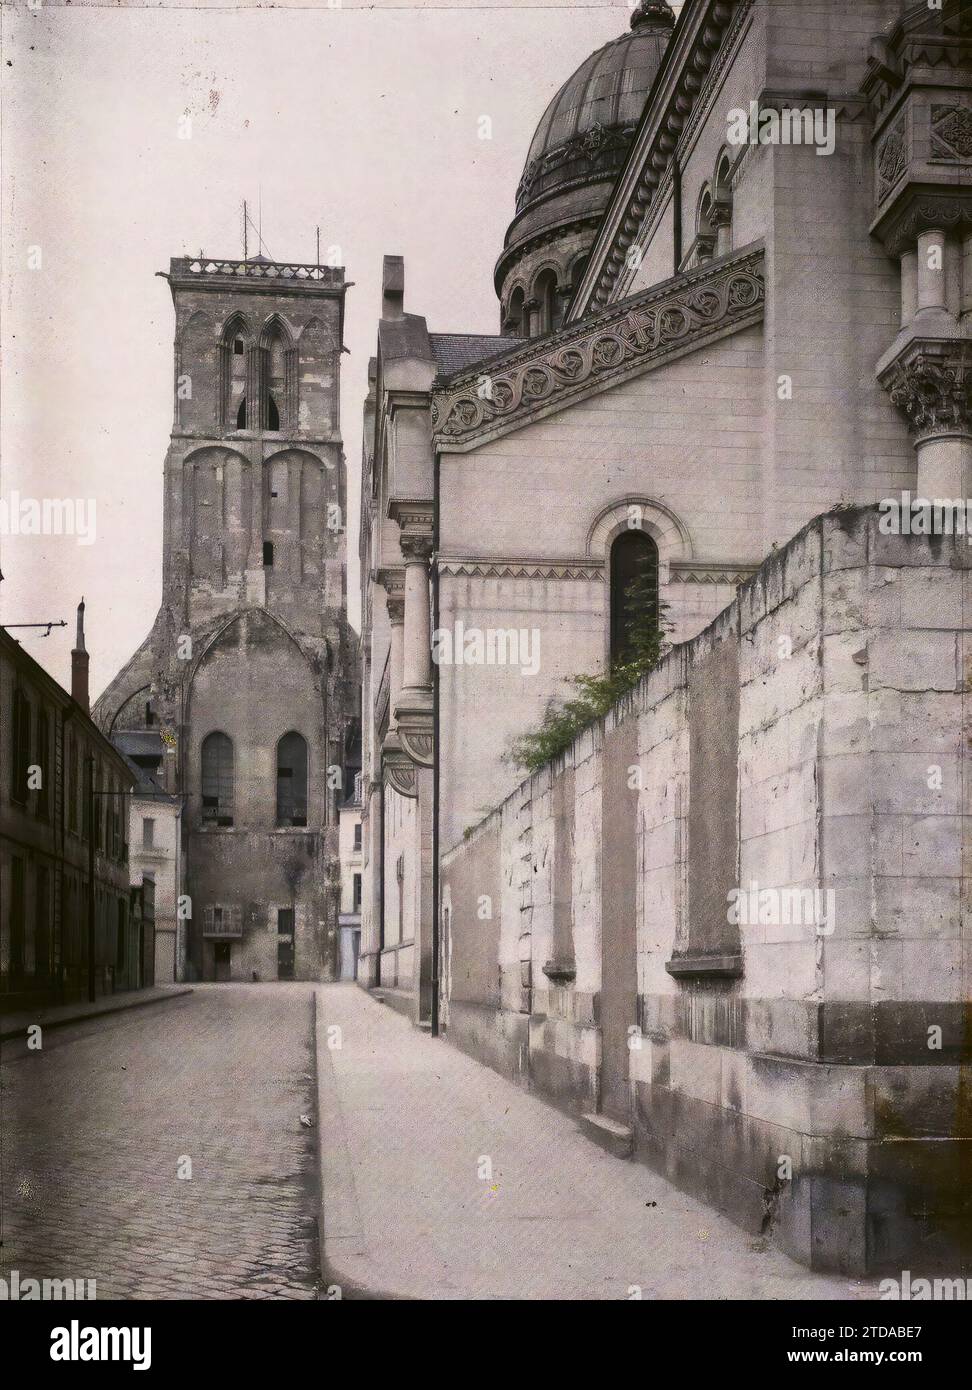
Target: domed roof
586,130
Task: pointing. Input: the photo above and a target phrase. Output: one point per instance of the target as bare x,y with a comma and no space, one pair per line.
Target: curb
342,1246
13,1033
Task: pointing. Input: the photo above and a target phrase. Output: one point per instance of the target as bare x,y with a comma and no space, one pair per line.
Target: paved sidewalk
15,1025
405,1124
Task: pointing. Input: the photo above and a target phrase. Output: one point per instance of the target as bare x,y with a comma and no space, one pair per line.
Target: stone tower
244,683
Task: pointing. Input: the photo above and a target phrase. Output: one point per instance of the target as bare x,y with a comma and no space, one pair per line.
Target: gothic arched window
634,586
217,779
292,780
241,415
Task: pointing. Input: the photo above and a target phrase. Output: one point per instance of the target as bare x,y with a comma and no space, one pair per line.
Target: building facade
770,321
52,755
155,850
246,672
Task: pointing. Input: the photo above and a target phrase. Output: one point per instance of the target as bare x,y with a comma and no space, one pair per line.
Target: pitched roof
457,352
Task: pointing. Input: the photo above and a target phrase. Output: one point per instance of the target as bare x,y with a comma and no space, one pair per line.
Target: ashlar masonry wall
732,918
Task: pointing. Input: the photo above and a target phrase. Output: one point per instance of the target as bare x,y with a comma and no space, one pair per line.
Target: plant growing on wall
646,630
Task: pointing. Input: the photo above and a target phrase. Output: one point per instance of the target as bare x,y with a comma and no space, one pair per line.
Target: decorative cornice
920,208
677,316
709,572
493,568
931,381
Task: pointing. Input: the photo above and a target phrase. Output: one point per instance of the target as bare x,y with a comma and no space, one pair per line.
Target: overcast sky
362,119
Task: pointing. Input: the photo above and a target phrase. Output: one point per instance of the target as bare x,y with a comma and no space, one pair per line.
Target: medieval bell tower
245,679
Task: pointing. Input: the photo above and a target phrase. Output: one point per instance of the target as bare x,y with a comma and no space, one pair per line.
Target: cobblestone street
96,1125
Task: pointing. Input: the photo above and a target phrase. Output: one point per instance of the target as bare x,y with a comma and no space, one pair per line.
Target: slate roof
457,352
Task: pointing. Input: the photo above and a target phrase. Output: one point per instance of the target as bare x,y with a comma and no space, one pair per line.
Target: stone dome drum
581,143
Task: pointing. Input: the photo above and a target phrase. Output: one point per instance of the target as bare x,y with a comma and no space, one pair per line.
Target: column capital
416,547
931,381
395,605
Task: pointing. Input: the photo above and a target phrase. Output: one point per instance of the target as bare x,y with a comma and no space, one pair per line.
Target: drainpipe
381,876
435,754
677,194
91,880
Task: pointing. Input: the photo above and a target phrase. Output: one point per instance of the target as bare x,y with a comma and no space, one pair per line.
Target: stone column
417,662
396,617
932,383
931,271
909,286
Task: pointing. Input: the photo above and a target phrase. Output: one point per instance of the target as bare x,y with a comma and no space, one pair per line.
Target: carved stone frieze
647,328
951,129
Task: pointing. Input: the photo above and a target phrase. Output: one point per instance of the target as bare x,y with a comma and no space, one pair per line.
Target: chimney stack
79,665
393,287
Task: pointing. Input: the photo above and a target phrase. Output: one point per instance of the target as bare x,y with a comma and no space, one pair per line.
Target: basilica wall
700,922
681,443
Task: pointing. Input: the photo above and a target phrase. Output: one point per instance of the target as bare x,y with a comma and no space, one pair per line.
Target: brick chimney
79,665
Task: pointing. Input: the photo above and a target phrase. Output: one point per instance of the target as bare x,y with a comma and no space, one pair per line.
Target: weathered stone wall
804,1071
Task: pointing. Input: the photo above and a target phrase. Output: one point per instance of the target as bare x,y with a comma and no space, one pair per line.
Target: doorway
221,958
285,943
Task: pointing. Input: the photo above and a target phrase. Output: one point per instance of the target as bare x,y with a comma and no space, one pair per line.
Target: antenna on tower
244,230
318,248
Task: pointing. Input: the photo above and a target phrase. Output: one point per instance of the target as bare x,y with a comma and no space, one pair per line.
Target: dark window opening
120,955
43,750
20,726
149,713
217,779
634,559
357,893
238,347
357,835
273,414
268,554
241,415
292,781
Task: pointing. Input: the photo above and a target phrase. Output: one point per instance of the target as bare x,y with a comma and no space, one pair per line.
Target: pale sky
360,118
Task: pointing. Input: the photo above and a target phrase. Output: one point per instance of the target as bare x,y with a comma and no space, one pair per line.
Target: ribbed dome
587,128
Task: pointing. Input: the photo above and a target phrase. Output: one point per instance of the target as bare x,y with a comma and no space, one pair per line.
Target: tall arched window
292,781
545,293
217,779
232,373
634,588
515,320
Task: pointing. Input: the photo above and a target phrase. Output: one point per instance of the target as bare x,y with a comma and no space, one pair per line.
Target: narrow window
273,414
122,925
292,781
237,347
634,583
357,893
217,779
20,728
241,415
148,832
357,835
268,555
43,760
